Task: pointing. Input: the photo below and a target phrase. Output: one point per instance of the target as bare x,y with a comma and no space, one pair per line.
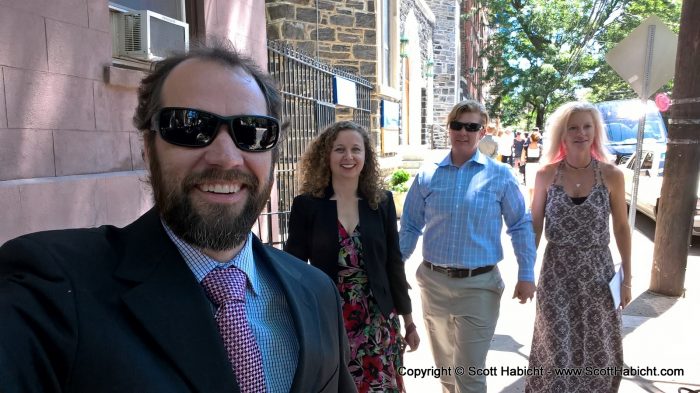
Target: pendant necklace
578,185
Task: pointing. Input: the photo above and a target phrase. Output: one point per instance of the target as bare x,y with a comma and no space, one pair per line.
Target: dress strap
557,174
598,174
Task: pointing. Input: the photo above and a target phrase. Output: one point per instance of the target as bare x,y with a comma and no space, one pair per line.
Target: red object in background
663,102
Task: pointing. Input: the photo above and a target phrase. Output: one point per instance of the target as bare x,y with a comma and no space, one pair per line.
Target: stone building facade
446,52
340,33
474,32
417,23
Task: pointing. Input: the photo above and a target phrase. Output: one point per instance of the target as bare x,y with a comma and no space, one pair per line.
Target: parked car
621,120
650,178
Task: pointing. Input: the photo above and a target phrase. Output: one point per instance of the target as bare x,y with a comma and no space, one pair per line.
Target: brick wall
69,154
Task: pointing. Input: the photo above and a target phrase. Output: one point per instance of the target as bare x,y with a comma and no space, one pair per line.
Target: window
648,160
172,8
388,67
386,41
167,24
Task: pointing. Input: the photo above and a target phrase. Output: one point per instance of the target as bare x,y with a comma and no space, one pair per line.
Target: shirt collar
201,265
476,157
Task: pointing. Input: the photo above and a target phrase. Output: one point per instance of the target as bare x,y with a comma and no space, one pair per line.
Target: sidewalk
658,331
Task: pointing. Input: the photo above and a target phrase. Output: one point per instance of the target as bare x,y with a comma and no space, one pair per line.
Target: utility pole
678,191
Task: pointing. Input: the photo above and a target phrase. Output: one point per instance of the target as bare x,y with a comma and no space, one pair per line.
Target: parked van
621,120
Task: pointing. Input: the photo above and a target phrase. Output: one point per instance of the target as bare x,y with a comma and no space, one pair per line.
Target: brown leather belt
454,272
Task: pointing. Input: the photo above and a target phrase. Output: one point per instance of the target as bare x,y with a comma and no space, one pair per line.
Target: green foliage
543,53
604,83
398,179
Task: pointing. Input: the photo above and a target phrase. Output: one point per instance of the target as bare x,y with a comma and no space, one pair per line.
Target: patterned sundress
375,345
576,325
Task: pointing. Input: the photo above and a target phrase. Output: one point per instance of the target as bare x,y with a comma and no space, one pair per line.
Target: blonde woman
576,323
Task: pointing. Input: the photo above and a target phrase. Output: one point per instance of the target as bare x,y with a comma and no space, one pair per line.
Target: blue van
621,120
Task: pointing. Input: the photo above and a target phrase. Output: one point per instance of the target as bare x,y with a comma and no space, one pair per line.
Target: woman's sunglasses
469,127
195,128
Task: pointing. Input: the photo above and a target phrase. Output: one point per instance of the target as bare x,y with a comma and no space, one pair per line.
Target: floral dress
375,345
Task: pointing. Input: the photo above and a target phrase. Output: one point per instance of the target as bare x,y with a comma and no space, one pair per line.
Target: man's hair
219,51
468,106
315,165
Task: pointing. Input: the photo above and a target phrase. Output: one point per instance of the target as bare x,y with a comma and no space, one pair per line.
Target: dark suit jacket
313,237
118,310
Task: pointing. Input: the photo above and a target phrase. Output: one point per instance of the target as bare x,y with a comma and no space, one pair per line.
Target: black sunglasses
195,128
469,127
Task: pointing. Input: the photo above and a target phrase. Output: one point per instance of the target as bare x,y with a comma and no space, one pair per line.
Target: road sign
646,60
629,57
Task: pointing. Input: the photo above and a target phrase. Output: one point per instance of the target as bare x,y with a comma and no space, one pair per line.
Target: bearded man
186,298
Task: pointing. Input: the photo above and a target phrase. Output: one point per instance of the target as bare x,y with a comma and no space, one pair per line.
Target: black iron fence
308,92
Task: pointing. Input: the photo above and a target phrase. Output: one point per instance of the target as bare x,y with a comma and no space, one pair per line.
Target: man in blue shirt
461,203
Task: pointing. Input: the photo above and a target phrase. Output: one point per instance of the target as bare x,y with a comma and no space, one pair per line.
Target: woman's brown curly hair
316,172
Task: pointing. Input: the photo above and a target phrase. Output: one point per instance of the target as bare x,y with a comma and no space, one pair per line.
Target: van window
621,119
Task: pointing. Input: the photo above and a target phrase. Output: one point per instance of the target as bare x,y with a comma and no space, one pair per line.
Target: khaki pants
460,317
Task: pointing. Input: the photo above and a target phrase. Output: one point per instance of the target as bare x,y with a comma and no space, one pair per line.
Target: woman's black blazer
313,237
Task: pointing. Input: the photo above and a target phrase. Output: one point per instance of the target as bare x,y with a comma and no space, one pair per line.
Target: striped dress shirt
266,308
460,213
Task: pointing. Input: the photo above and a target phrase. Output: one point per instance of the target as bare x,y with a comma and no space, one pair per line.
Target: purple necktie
226,289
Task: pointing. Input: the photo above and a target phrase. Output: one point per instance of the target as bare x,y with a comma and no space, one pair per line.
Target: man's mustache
213,175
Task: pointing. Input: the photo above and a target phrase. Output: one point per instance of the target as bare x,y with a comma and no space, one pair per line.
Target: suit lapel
302,305
171,306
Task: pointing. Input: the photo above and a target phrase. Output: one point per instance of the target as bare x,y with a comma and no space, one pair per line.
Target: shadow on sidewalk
647,305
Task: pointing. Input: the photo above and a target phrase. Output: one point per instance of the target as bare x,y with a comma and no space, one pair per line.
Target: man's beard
211,226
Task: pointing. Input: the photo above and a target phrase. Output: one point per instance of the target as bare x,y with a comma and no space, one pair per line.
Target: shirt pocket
485,205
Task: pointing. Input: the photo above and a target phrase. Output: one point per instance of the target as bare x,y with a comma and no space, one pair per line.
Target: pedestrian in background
505,146
488,145
531,157
461,202
344,223
518,144
577,325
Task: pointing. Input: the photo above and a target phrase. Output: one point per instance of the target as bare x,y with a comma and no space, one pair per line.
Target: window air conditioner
147,35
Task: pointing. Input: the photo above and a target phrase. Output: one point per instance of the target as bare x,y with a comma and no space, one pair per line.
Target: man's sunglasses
195,128
469,127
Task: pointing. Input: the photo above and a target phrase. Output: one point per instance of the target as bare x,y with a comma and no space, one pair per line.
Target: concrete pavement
659,332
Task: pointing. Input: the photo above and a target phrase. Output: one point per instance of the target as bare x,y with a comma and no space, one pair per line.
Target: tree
540,51
604,83
546,52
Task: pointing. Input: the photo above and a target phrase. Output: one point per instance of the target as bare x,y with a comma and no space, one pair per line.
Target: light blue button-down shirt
266,308
462,210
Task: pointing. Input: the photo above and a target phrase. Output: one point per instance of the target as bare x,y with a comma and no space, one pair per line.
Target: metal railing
308,92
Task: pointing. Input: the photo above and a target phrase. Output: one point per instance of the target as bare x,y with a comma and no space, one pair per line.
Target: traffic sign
651,42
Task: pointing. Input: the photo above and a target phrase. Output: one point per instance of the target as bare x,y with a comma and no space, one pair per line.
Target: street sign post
646,60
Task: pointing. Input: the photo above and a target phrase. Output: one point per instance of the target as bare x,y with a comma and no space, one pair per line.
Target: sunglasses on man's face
470,127
195,128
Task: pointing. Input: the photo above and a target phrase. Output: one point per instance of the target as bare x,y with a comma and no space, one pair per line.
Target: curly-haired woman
344,223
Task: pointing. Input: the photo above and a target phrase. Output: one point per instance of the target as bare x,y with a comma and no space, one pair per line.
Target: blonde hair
468,106
315,165
556,127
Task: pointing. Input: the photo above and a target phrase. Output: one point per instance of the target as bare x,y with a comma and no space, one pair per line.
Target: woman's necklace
579,167
578,185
